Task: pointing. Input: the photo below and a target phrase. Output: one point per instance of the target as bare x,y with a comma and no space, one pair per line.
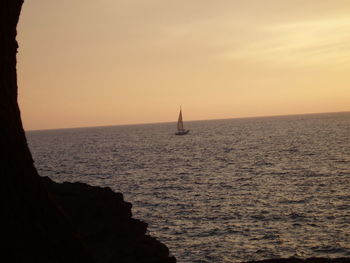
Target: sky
94,63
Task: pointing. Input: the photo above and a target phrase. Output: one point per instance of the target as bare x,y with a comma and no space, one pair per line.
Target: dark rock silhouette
42,221
308,260
103,220
34,228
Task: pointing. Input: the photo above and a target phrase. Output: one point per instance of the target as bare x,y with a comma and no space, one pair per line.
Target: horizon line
164,122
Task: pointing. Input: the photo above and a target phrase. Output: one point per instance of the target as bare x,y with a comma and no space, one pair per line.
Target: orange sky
107,62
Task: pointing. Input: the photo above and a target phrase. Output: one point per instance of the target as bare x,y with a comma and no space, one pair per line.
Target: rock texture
309,260
105,224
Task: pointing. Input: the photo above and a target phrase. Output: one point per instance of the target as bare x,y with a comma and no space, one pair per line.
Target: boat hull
182,132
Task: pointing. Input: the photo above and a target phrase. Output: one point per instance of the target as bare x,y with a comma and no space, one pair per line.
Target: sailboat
180,126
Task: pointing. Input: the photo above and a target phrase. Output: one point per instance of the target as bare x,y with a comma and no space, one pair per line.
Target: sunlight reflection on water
232,190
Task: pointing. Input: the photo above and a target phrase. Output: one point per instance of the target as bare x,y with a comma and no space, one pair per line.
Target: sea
231,190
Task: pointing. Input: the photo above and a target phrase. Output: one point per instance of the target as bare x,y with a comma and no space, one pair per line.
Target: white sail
180,124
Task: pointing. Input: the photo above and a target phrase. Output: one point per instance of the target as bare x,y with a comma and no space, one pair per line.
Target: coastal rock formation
308,260
34,228
47,222
105,224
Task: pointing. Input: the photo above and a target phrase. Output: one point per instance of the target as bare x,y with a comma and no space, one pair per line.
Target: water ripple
232,190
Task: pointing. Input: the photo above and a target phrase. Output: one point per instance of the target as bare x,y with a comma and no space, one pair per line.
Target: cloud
321,42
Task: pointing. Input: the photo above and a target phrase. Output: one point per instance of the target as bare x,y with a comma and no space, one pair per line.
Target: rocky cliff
105,224
62,226
43,221
32,229
308,260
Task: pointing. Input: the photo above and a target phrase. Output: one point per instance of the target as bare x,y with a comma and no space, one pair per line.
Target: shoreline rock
104,223
307,260
69,221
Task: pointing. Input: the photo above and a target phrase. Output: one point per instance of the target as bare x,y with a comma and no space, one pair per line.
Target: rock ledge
104,223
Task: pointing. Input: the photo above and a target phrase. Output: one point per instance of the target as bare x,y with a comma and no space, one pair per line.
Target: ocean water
230,191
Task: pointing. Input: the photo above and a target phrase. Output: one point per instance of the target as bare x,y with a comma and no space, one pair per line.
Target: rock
33,228
104,222
308,260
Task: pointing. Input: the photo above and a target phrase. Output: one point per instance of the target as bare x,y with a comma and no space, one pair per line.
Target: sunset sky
107,62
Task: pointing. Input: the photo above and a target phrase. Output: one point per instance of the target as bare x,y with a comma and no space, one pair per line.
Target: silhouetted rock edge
104,223
34,228
300,260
